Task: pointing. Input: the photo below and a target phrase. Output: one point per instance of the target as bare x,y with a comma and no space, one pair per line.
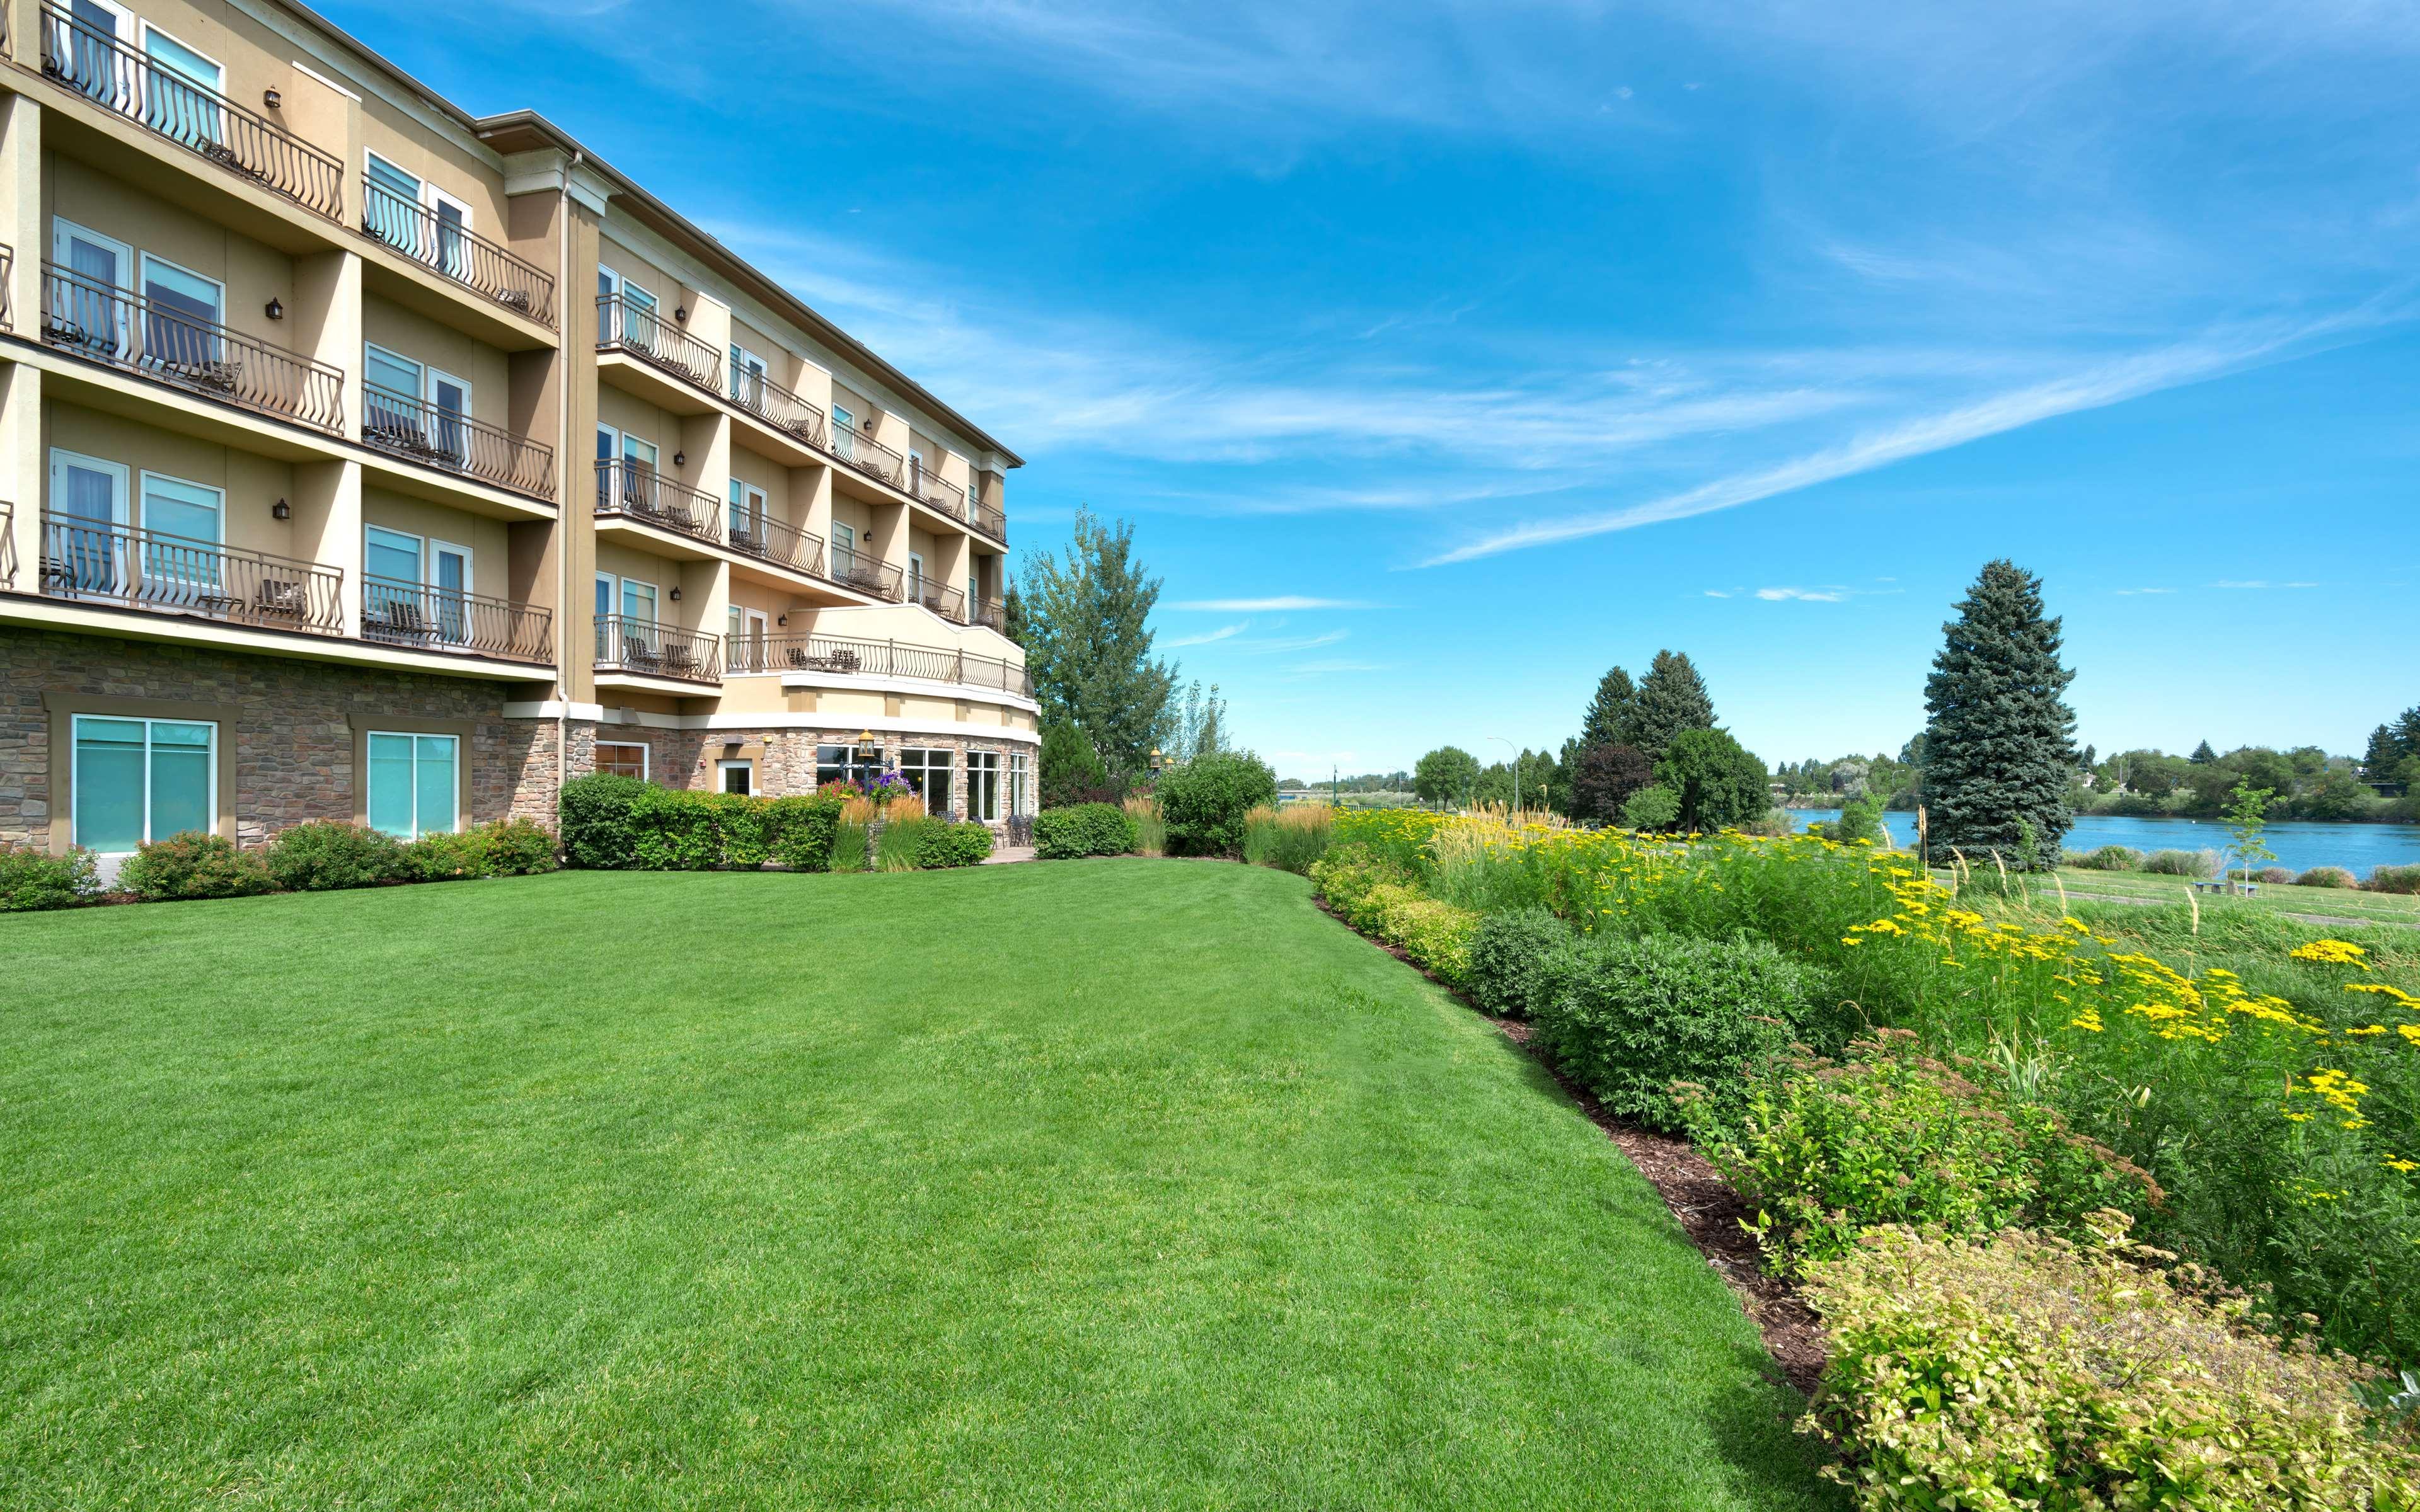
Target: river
2299,845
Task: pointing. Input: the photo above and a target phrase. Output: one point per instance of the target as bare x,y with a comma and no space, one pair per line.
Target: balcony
855,569
452,441
646,649
126,82
102,562
426,618
454,251
990,521
106,324
776,405
925,484
870,456
990,613
837,656
641,332
949,603
768,540
632,492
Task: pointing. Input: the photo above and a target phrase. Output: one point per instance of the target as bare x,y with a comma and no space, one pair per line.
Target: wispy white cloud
1803,595
2134,592
2257,582
2102,384
1279,604
1268,645
1205,637
1333,666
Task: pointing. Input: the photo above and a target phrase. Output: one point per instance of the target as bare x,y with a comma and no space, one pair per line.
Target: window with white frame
856,763
621,757
414,783
137,780
843,432
1020,784
983,785
928,770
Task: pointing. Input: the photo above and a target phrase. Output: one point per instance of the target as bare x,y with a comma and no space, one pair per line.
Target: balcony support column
20,192
328,527
326,321
24,481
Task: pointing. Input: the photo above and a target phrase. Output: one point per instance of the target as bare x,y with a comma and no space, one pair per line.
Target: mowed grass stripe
1106,1184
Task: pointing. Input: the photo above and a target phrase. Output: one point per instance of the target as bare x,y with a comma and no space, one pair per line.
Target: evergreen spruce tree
2202,755
1671,699
1997,740
1612,717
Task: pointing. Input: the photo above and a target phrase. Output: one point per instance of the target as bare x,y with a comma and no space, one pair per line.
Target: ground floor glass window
142,779
928,770
622,759
860,765
983,785
414,780
1020,784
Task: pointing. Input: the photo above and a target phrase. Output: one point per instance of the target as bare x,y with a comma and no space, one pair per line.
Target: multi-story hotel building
362,458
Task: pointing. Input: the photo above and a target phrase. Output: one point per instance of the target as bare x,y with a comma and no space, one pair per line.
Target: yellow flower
2330,953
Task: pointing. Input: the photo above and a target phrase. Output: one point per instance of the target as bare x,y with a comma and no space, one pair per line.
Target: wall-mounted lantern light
281,510
275,310
271,99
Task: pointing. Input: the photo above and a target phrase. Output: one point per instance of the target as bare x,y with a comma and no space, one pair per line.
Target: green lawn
2333,903
1091,1184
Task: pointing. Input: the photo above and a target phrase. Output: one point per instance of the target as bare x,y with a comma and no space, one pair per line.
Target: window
87,507
181,315
621,757
747,377
737,774
860,765
632,316
183,100
844,549
142,779
414,783
626,617
843,432
86,307
983,785
391,405
1020,784
747,516
743,648
390,205
81,32
413,588
928,770
180,548
915,576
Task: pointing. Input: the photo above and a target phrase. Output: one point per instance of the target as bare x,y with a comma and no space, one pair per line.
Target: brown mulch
1708,1210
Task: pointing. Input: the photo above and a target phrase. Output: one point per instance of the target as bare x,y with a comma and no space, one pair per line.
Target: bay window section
860,765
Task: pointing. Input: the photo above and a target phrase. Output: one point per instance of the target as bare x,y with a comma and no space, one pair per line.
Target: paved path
1003,855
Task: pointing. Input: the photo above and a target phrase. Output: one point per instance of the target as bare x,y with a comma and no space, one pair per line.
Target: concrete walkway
1004,855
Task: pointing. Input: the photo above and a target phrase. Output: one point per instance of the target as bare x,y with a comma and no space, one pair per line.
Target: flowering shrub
1400,835
32,879
193,865
324,855
2031,1372
1824,1151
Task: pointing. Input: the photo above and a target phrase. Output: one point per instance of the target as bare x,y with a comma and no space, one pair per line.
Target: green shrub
1069,765
2182,863
33,879
1436,934
1824,1150
2276,876
1636,1015
193,865
1518,959
798,830
900,847
1205,799
1652,807
852,847
1861,820
2030,1372
1347,874
516,847
2402,879
2326,876
1714,782
442,855
960,844
597,830
2111,858
324,855
1086,829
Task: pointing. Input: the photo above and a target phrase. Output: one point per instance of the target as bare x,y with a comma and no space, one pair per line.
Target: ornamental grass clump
2173,863
2032,1372
1290,838
1150,824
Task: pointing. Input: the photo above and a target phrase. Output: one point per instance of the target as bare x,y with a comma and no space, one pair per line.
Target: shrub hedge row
1083,829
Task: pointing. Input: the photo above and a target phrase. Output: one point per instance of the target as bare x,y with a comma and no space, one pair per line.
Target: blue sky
1445,355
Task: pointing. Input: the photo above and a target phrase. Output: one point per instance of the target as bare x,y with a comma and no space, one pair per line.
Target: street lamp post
1516,770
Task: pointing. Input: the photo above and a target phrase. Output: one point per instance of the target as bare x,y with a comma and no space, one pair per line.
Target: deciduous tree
1445,774
1088,642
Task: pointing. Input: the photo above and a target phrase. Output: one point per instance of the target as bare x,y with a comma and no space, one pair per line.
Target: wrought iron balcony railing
638,328
989,520
854,569
110,564
420,432
427,618
457,252
110,325
989,612
949,603
127,81
8,280
653,649
869,456
8,542
776,405
639,492
770,540
840,656
927,485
